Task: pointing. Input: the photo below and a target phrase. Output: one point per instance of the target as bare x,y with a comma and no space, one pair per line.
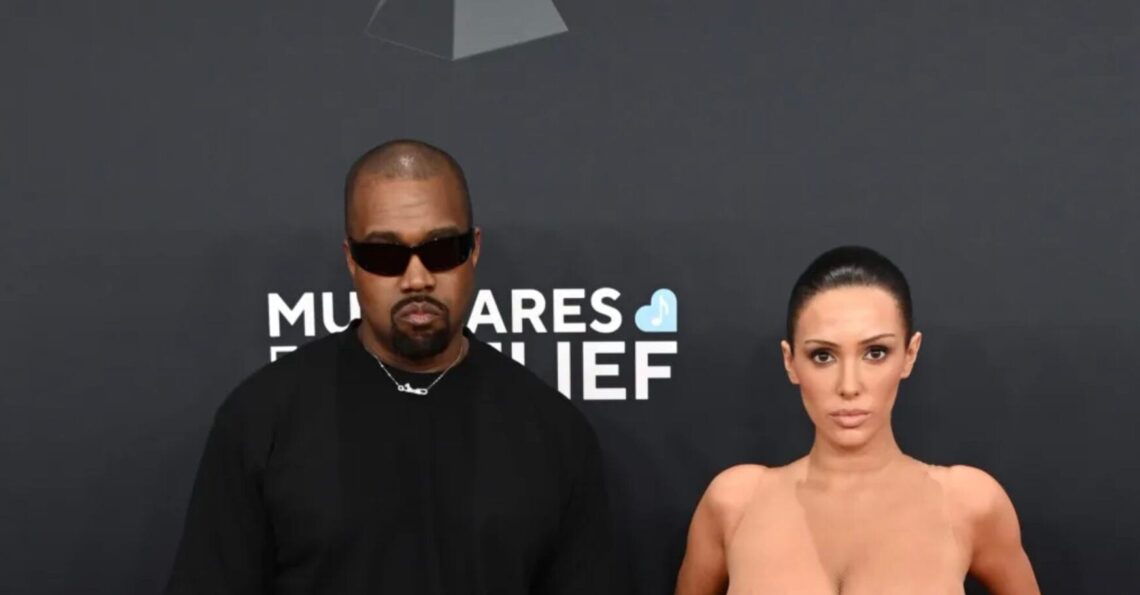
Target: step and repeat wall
650,176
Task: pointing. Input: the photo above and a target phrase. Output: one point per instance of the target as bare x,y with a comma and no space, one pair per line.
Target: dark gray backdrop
163,166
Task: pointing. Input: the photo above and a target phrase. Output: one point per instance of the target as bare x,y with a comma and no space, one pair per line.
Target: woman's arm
998,560
703,571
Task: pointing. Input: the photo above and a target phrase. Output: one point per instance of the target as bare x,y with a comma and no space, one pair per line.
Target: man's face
417,313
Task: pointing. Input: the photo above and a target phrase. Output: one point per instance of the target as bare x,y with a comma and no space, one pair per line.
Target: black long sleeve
227,545
582,559
319,477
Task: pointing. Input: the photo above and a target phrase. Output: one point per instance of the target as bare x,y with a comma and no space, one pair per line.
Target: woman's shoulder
735,487
975,493
736,482
965,482
725,499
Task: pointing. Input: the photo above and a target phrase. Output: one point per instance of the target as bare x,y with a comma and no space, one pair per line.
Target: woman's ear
912,353
786,350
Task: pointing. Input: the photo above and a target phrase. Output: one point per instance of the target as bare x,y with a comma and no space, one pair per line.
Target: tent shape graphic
454,29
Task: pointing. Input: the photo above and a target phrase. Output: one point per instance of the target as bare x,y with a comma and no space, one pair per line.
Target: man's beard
421,345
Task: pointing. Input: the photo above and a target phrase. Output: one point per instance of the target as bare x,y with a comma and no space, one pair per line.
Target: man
401,456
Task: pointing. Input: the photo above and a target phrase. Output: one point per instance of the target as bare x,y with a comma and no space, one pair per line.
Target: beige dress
900,534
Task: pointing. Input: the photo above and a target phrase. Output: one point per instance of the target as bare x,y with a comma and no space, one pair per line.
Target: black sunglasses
391,260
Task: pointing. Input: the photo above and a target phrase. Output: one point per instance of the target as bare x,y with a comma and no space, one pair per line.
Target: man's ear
348,261
477,248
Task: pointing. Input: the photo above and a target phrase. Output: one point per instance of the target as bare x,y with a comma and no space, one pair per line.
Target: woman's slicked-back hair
848,266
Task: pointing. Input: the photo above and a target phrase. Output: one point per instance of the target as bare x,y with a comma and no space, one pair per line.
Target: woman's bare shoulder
726,497
976,493
714,522
737,481
737,486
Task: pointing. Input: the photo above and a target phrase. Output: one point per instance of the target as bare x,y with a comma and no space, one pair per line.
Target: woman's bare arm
998,560
704,571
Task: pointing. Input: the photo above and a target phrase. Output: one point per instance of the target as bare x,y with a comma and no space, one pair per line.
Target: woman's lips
850,418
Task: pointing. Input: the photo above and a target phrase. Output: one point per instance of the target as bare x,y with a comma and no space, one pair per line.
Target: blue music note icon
660,314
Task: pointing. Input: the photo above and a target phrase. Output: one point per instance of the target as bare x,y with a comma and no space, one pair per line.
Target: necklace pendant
408,388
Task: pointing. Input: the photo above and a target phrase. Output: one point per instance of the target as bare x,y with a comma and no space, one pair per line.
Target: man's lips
419,313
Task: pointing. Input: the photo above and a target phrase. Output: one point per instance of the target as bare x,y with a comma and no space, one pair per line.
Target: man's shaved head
405,159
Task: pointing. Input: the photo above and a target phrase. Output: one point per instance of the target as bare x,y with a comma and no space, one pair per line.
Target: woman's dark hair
850,266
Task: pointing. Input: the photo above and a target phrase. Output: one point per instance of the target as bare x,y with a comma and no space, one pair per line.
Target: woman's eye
877,353
821,357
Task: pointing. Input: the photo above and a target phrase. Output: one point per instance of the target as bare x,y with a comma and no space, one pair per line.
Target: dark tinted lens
445,254
381,259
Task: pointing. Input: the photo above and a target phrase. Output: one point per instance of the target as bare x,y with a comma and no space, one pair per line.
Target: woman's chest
895,544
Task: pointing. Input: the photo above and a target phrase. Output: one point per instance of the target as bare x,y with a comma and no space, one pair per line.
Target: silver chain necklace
407,386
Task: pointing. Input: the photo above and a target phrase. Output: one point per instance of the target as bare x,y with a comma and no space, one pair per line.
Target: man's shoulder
267,387
505,372
515,385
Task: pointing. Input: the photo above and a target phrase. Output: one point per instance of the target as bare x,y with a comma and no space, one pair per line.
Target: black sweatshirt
319,477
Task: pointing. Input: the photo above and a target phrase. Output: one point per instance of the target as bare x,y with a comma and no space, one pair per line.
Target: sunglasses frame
465,242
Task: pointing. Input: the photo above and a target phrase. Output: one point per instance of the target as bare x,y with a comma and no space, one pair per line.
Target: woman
855,516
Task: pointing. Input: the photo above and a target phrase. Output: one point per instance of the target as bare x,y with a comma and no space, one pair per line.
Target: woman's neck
832,462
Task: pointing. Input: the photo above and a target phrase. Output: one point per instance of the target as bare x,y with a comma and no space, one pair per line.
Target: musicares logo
455,29
573,326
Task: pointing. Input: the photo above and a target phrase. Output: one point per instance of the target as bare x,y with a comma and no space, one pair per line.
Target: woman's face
850,353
